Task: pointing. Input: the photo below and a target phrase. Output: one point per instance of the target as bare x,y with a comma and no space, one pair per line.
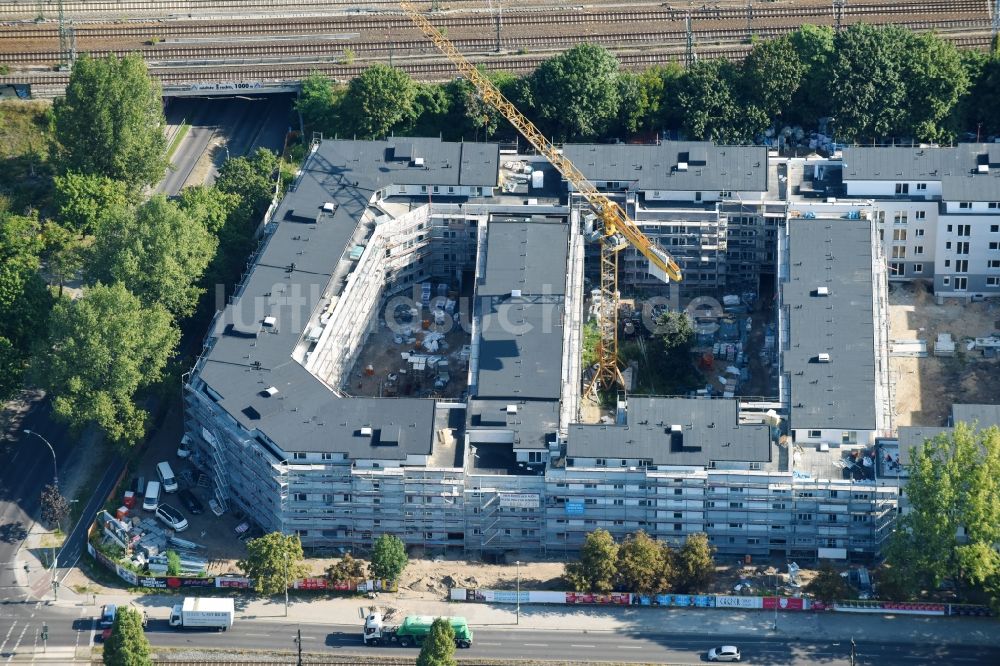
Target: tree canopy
84,199
379,100
110,123
438,648
346,569
105,347
576,93
952,523
828,585
388,558
273,561
645,565
157,251
127,645
597,569
695,563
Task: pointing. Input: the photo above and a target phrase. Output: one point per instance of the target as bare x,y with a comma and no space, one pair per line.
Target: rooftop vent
823,358
329,207
983,168
366,431
822,291
515,293
418,161
270,321
682,166
512,409
269,392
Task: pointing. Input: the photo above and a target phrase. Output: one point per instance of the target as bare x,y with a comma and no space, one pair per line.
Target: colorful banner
974,610
726,601
236,582
611,598
784,603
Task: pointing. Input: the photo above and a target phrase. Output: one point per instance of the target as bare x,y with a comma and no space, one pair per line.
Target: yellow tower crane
617,228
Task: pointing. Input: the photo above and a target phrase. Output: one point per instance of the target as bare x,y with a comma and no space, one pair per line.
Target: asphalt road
25,467
585,647
242,124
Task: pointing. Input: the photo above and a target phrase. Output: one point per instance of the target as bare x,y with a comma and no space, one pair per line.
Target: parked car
184,450
173,518
190,502
724,653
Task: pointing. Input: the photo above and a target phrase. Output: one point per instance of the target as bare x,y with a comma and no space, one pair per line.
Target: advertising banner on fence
324,584
785,603
237,582
678,600
612,598
725,601
127,575
902,607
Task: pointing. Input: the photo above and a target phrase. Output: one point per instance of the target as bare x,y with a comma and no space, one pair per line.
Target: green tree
127,645
815,49
867,87
953,519
157,251
274,561
770,76
983,98
377,102
110,123
173,563
438,648
63,253
55,507
576,93
676,331
317,102
637,94
346,569
645,565
936,80
388,558
828,585
695,563
24,298
431,106
209,206
83,200
665,111
105,347
710,107
252,180
597,569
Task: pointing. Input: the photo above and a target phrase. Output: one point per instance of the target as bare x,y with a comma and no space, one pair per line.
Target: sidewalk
807,625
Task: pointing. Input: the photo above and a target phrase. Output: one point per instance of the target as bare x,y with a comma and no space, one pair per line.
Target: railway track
394,21
427,71
477,45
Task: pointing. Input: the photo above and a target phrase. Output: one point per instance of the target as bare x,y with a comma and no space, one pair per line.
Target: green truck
412,630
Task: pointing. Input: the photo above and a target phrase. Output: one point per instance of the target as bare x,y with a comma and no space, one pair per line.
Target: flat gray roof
534,422
957,167
835,254
709,431
526,256
294,270
910,437
520,349
983,415
709,167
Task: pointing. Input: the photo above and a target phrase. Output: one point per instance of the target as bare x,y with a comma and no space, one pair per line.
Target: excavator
617,229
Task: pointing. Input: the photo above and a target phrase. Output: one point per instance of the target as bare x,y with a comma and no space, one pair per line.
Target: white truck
203,613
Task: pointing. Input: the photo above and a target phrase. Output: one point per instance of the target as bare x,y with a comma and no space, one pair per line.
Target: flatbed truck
411,631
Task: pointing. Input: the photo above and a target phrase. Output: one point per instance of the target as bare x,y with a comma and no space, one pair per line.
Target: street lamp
55,468
518,620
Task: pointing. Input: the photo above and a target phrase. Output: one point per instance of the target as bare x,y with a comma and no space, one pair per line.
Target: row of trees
642,564
276,559
875,82
144,265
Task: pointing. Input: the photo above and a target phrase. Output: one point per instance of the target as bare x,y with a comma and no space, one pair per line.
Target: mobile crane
618,229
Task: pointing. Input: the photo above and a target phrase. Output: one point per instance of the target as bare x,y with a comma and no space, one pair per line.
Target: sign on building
519,500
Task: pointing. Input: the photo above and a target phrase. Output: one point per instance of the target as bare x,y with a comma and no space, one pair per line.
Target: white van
151,499
166,477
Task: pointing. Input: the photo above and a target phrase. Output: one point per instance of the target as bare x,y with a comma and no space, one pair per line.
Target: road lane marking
260,635
309,638
13,650
485,643
7,637
536,644
630,647
582,646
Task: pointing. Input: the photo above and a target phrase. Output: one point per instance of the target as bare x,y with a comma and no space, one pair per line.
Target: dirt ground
925,388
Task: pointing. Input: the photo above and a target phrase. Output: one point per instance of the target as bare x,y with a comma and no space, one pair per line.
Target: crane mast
618,229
